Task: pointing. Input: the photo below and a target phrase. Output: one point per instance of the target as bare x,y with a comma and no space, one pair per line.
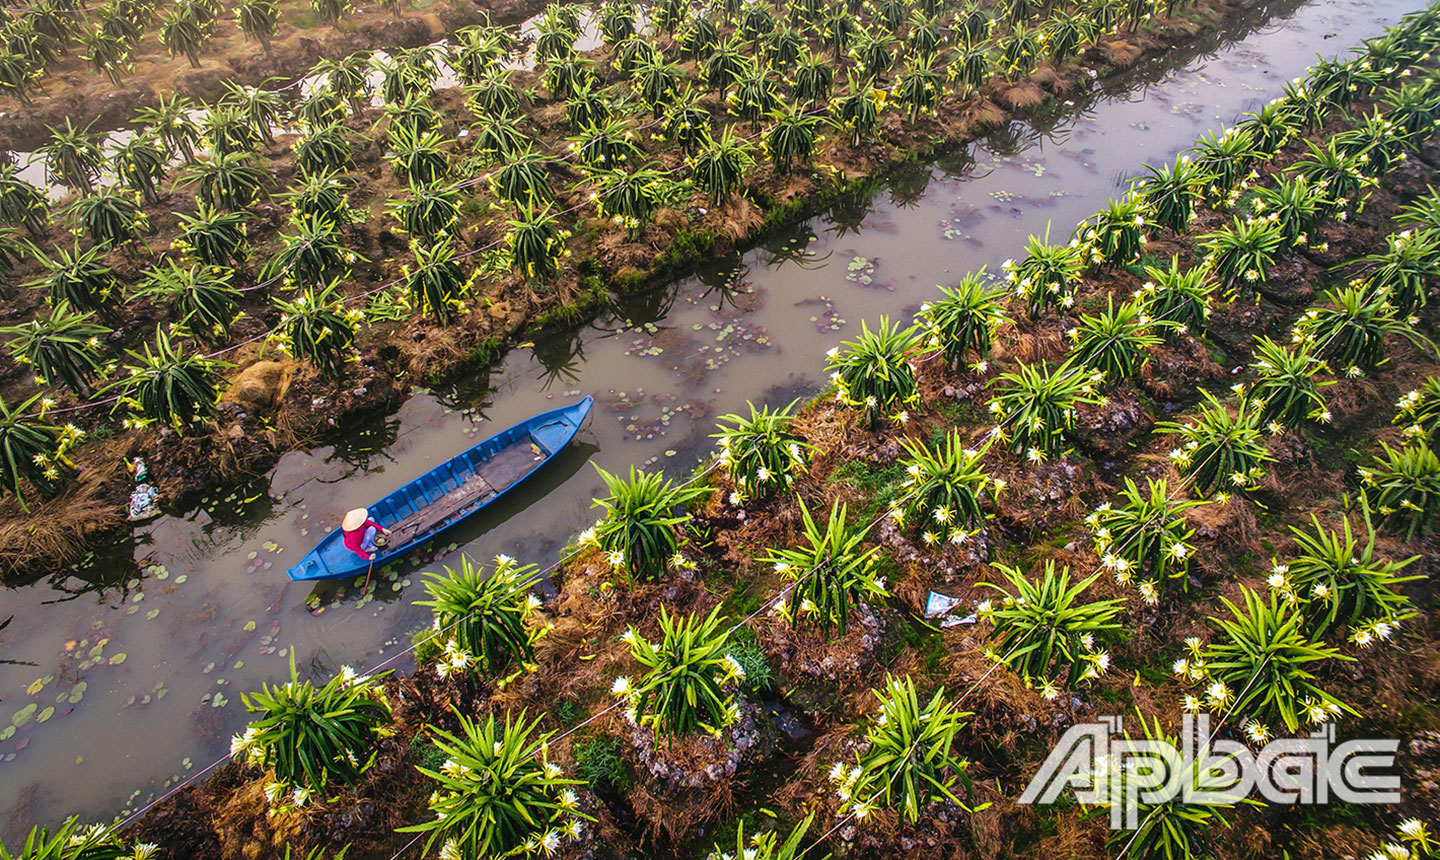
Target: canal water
122,675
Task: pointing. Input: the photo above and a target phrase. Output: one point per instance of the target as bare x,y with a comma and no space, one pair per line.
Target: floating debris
862,271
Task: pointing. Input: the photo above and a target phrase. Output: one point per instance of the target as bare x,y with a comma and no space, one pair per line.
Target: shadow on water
243,508
96,572
7,662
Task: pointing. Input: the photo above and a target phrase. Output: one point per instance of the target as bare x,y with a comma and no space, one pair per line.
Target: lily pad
117,659
23,716
46,714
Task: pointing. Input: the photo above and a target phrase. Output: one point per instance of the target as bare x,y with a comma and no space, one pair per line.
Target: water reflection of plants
637,309
363,449
723,275
791,247
561,358
908,184
847,214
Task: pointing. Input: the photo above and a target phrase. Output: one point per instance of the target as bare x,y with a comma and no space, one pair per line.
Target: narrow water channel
134,662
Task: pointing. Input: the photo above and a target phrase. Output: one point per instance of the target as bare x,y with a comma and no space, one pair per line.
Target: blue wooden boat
451,492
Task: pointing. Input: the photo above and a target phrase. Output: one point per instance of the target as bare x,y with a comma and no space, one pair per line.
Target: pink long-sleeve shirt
354,539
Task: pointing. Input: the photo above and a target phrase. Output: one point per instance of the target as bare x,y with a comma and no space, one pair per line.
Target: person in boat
360,533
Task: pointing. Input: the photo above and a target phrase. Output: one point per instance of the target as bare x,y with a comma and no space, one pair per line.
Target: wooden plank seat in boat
474,489
495,475
511,463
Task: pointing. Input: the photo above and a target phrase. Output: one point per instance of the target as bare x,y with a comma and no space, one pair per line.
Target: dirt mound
1108,429
818,673
1020,96
57,530
1120,53
687,781
262,385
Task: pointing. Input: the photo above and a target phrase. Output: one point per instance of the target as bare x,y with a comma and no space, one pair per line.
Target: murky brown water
198,609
